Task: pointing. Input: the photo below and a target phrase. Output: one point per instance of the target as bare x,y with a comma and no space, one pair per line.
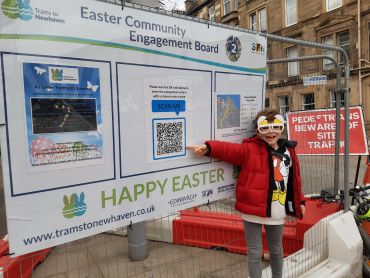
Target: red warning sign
315,131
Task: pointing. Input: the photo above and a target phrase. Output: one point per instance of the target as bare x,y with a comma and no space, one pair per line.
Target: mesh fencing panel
206,241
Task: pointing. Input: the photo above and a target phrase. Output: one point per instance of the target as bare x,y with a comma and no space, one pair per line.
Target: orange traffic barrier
220,230
366,179
4,246
20,266
366,226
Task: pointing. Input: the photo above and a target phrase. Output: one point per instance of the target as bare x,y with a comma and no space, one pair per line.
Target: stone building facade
148,3
343,23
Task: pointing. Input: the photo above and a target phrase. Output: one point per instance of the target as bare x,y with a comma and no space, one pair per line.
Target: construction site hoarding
97,106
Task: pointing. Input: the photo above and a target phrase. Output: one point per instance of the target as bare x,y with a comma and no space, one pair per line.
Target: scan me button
176,106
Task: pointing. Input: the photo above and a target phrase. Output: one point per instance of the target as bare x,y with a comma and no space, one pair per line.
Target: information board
98,105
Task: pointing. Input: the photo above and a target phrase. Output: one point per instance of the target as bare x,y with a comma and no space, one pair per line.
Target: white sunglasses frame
271,128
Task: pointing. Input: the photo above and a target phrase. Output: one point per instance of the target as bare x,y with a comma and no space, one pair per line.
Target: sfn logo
258,48
207,193
17,9
74,205
57,74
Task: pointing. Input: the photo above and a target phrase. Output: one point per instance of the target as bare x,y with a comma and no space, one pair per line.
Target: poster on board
63,115
166,112
98,105
236,106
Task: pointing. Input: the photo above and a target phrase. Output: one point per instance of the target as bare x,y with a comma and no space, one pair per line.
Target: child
268,187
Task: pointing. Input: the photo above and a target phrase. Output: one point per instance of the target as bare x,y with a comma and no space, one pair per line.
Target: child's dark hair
269,113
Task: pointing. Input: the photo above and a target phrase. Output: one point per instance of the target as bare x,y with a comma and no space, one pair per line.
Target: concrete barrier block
329,268
344,250
345,243
314,252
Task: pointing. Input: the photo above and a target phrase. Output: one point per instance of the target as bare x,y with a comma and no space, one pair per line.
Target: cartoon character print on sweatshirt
281,163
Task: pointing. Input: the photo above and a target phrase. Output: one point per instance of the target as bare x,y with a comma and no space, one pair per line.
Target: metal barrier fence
3,226
207,241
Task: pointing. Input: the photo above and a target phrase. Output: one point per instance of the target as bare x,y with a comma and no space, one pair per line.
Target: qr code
169,138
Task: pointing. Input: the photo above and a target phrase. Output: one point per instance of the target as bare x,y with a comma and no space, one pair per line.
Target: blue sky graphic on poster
63,113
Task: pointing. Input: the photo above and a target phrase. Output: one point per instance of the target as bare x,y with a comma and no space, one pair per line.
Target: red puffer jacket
253,191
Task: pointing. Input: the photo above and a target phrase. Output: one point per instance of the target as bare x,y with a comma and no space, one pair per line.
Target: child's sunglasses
278,128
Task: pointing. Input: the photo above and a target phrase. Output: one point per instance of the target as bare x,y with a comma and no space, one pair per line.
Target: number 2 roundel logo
233,48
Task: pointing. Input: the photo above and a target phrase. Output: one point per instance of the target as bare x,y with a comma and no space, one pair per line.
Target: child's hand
303,209
199,150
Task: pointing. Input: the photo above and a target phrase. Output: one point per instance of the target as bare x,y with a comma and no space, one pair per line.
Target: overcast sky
174,4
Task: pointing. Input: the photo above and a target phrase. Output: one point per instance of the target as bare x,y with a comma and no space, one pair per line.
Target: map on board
228,111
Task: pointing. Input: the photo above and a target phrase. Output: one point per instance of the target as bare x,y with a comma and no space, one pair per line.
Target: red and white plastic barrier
212,229
20,266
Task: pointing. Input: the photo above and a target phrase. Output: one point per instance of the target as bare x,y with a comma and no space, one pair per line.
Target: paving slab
107,256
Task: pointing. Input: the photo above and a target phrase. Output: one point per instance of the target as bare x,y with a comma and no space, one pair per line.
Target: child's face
271,137
270,131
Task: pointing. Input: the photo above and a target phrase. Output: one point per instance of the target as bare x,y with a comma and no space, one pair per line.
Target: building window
284,105
253,21
211,13
343,42
333,4
340,39
236,4
257,20
290,12
327,64
226,7
267,102
333,99
293,67
262,20
308,101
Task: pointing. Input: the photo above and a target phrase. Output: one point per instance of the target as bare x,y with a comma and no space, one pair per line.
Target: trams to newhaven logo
74,205
59,74
15,9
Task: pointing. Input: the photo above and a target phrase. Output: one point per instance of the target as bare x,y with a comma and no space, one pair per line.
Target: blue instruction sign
176,106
